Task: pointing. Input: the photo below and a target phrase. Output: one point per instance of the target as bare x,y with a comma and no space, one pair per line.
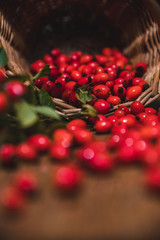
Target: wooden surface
115,206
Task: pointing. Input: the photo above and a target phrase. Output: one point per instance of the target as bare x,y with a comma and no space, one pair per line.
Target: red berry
77,122
137,107
133,93
7,153
102,106
26,152
66,95
83,81
76,75
15,89
70,85
40,142
141,68
12,199
83,136
114,100
48,59
48,86
100,78
61,59
67,178
103,126
101,91
101,162
55,52
59,152
39,64
150,110
54,73
26,182
99,70
63,136
40,81
119,113
107,51
86,58
3,102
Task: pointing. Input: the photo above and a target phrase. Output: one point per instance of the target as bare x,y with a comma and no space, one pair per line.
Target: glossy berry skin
70,85
127,154
76,75
54,73
48,59
137,107
40,81
61,59
39,64
82,136
26,152
102,106
12,199
99,70
55,52
101,162
64,137
48,86
119,113
7,153
26,182
101,91
3,102
150,111
103,126
15,89
133,93
136,81
58,152
67,178
83,81
77,122
100,78
110,84
114,100
86,58
124,109
40,142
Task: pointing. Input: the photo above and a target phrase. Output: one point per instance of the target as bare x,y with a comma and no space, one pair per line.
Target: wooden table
115,206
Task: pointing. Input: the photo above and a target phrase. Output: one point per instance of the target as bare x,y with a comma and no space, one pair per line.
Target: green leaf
22,78
26,116
43,73
45,98
3,58
84,94
88,110
46,111
31,95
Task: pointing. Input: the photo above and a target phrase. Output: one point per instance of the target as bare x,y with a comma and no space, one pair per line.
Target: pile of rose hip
111,79
135,137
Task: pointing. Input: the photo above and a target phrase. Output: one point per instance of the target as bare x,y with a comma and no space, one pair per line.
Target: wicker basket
30,28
